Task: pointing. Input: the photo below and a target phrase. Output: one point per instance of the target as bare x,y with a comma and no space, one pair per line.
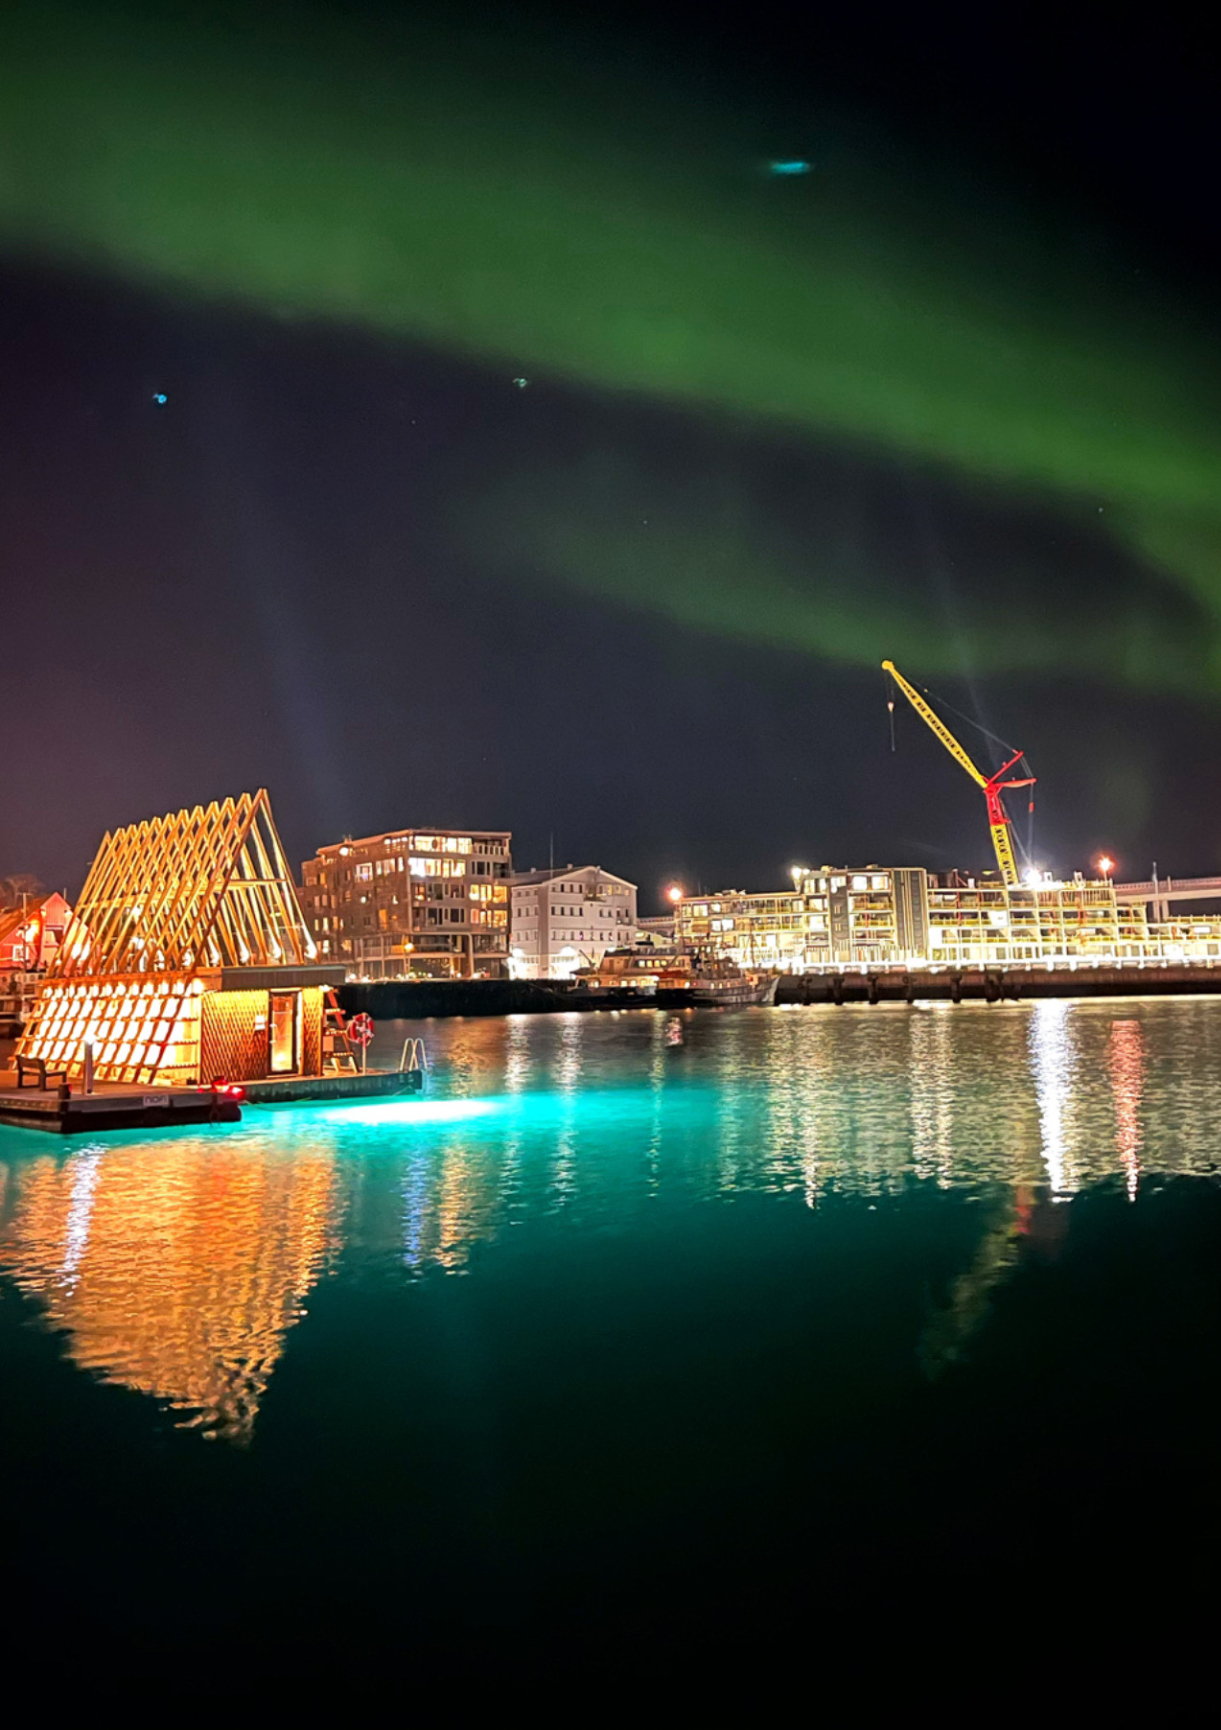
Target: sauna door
283,1032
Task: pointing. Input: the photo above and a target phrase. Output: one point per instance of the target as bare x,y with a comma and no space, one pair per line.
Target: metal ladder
413,1055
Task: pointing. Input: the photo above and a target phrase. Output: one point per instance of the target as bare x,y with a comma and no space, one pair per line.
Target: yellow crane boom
998,822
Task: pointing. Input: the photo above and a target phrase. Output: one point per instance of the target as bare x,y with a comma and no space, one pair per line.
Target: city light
1106,865
674,893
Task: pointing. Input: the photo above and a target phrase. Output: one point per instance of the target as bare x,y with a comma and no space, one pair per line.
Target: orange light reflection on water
179,1272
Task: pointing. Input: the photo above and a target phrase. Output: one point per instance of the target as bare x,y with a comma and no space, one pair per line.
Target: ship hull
735,993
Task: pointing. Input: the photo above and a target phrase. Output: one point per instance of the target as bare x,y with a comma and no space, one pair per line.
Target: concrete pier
1001,984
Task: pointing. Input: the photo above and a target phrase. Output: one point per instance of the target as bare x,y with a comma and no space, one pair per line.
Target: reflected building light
568,1066
517,1074
517,1057
415,1213
85,1166
657,1082
466,1206
809,1176
563,1171
1126,1065
932,1095
1052,1061
568,1075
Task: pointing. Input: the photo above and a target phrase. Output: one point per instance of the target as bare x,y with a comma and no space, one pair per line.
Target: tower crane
998,820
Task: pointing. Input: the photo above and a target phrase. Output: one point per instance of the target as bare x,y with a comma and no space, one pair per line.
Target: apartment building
878,915
566,919
430,903
872,914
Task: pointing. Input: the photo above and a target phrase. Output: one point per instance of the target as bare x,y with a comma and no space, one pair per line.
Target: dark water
640,1335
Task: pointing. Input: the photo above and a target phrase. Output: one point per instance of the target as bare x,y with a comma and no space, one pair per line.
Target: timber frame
197,902
202,888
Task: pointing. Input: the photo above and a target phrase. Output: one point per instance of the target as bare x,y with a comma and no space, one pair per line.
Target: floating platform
114,1108
296,1088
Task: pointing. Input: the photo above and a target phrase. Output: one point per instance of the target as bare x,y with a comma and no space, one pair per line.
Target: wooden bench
37,1066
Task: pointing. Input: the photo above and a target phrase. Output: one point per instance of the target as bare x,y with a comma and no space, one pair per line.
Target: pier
1001,984
409,1000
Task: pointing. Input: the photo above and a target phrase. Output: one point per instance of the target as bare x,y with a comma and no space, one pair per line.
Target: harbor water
637,1333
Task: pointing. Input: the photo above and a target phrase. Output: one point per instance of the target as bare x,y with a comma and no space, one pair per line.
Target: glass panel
282,1033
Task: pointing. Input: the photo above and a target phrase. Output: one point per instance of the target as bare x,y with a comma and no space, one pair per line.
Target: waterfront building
431,903
187,958
567,919
30,935
886,916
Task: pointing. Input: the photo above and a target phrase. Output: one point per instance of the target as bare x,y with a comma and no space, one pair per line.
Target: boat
663,975
721,985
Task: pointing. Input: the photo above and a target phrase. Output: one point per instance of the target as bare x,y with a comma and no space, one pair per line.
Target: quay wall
418,1000
999,984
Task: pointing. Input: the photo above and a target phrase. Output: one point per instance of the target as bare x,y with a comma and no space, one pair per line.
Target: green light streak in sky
509,205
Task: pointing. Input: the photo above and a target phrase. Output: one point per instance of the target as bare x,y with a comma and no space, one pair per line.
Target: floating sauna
188,958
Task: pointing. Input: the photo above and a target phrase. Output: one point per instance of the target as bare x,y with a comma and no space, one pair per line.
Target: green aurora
523,209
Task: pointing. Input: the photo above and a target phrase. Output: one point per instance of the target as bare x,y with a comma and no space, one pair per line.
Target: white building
566,919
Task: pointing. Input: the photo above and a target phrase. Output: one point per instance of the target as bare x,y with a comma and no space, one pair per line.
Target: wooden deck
111,1106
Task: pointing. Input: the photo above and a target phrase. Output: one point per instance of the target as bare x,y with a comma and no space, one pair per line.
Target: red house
30,936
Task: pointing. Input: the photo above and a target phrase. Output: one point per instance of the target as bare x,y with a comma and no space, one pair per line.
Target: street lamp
674,895
1106,865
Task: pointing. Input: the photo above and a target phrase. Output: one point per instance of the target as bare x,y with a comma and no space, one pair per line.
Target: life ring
360,1028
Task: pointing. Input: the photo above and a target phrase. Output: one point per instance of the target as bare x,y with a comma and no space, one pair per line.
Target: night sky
532,456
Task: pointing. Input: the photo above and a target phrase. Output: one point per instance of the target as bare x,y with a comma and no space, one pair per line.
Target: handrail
413,1055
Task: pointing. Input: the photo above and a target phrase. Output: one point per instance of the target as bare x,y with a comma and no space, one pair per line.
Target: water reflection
1053,1057
1126,1063
952,1326
173,1267
176,1266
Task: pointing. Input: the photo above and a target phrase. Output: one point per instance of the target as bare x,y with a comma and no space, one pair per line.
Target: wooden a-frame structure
185,925
203,888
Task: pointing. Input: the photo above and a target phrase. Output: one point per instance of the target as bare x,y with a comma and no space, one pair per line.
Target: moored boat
723,986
